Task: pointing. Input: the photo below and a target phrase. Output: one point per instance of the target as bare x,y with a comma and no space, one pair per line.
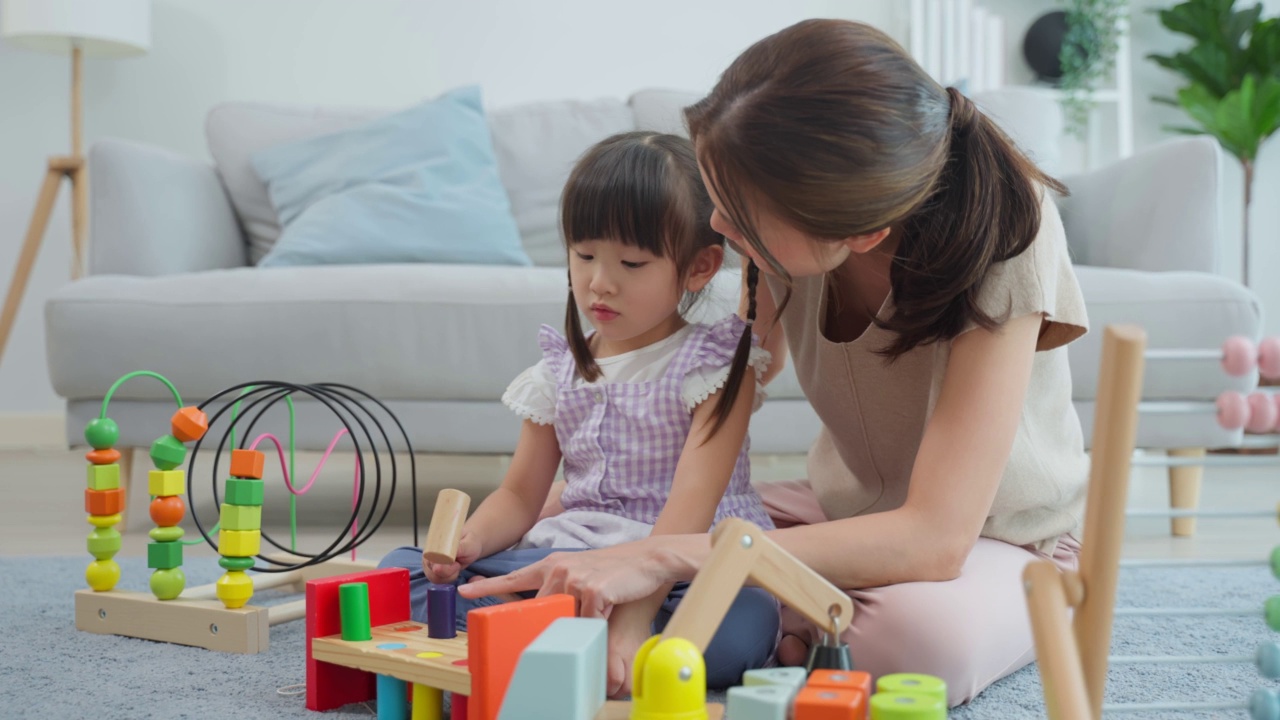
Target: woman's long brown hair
833,128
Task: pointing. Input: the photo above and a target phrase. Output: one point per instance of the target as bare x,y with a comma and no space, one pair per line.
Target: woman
924,291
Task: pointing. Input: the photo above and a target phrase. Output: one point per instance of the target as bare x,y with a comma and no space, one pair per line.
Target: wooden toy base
197,618
442,672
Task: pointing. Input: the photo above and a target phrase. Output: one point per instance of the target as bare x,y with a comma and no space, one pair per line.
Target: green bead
912,683
168,452
244,492
240,517
166,534
1272,612
104,543
164,555
104,477
906,706
236,563
167,584
101,433
1275,561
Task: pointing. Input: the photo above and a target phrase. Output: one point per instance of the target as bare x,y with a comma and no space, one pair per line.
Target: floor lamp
108,28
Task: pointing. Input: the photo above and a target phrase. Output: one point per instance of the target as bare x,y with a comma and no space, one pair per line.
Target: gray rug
48,669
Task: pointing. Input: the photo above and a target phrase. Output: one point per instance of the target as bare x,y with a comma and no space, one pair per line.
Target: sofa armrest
1157,210
153,212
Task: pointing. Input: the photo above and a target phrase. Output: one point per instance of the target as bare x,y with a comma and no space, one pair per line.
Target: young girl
924,288
649,413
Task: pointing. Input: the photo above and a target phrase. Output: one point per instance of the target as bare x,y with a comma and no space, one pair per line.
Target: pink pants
970,631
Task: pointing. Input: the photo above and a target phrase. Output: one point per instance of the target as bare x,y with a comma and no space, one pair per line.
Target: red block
496,636
458,707
330,686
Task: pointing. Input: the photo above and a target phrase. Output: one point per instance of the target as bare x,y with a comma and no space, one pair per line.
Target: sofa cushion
400,332
420,185
536,144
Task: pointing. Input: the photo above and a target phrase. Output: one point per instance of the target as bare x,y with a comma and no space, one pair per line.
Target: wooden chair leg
126,478
1184,490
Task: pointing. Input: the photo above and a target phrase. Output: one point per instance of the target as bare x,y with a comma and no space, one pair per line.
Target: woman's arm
767,328
511,510
953,483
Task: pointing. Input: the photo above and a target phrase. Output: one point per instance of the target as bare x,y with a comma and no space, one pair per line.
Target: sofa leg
1184,490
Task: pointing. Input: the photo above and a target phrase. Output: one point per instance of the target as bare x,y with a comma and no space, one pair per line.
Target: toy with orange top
191,616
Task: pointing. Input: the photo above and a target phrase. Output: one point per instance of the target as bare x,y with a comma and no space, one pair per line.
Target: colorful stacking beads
166,485
104,501
240,533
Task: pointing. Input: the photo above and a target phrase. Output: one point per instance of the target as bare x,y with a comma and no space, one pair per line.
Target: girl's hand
598,579
627,632
444,573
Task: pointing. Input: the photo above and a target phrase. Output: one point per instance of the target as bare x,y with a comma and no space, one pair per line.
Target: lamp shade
111,28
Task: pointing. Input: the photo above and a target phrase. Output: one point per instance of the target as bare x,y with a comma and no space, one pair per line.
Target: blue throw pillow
420,185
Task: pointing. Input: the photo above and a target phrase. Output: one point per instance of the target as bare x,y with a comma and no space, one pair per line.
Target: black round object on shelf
1043,45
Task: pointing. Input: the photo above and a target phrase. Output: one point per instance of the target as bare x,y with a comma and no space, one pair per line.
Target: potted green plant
1232,74
1088,55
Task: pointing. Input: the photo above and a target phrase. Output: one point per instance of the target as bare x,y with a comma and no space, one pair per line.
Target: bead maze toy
1073,651
532,660
217,616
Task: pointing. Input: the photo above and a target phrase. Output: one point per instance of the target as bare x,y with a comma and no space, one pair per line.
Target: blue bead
1269,659
1264,704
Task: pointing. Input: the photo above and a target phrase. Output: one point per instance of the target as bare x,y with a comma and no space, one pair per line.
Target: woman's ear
866,243
704,267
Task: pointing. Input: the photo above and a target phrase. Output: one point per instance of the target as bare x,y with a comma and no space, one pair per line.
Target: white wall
372,53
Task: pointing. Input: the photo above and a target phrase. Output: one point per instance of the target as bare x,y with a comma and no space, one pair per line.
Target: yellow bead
167,482
239,543
234,589
102,575
104,521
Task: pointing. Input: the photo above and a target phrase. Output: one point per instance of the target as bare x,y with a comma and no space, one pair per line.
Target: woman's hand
628,630
598,579
444,573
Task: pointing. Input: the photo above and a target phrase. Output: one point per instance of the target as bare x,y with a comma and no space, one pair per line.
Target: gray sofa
171,287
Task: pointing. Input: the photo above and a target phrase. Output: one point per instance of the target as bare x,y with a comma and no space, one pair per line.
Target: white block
562,674
758,702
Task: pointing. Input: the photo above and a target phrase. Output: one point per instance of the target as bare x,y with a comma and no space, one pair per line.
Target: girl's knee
405,557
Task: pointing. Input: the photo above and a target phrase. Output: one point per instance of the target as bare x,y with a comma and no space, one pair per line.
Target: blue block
759,702
562,674
393,699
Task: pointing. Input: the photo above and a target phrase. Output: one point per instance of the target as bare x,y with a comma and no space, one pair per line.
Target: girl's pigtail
740,356
587,366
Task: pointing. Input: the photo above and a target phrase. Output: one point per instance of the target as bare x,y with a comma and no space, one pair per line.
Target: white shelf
1105,95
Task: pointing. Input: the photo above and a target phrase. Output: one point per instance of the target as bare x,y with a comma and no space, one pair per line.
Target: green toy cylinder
353,606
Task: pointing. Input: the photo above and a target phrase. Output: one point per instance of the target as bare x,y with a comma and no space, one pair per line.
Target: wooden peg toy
446,526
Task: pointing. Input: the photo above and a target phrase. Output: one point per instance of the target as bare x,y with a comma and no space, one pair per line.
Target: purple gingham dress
621,441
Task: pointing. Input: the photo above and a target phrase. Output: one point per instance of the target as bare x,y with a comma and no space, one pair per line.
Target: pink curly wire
284,470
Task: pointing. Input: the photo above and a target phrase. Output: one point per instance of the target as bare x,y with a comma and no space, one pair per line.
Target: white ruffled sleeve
701,382
532,395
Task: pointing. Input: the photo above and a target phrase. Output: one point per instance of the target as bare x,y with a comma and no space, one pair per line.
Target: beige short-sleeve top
874,414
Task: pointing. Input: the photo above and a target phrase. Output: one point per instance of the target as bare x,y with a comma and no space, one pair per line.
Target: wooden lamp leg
27,258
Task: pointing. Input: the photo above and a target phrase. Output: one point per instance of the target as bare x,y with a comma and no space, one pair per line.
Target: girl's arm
510,511
767,327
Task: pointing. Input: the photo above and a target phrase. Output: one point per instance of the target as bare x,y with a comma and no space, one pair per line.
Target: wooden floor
42,511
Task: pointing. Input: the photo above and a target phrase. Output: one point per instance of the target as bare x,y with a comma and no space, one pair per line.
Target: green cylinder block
168,452
104,543
353,606
101,433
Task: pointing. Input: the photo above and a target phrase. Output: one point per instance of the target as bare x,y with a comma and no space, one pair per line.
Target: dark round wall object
1043,44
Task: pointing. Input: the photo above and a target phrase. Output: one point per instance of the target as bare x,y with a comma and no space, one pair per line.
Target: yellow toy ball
102,575
234,589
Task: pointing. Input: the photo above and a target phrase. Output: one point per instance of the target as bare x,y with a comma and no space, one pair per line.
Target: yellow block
161,483
234,589
428,702
241,517
104,477
239,543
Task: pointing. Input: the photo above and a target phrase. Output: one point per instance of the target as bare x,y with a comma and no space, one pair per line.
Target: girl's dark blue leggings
745,640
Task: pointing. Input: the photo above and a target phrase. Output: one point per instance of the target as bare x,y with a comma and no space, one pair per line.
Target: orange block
247,464
841,680
102,457
496,636
820,703
189,423
104,502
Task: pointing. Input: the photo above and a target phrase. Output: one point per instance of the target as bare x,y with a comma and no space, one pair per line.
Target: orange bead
167,511
247,464
190,423
104,502
841,680
102,457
